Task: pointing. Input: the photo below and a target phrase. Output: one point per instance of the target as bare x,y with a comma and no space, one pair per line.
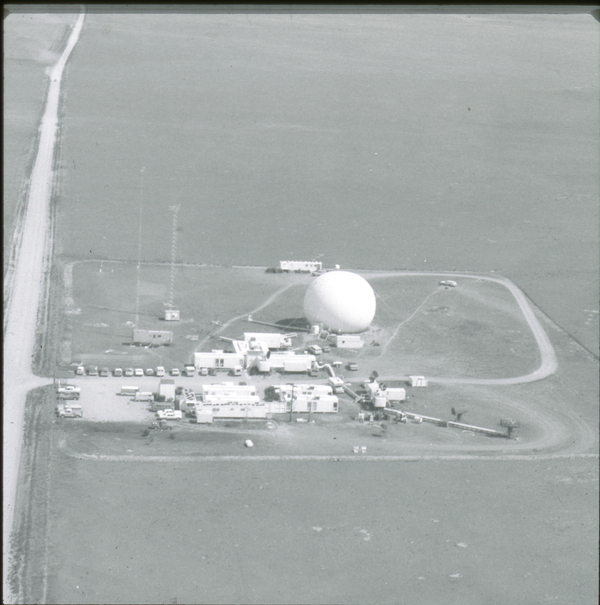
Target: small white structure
418,381
152,337
305,398
186,402
380,397
166,389
206,412
286,362
171,314
300,265
217,359
273,340
347,341
227,392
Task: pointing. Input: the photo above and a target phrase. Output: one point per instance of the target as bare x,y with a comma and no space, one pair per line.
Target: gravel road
26,286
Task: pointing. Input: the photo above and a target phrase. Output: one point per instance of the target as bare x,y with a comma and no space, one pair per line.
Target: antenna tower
175,210
137,289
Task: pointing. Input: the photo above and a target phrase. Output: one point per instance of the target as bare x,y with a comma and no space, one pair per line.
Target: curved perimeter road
548,364
26,288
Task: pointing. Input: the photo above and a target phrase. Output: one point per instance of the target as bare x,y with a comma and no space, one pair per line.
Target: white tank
342,301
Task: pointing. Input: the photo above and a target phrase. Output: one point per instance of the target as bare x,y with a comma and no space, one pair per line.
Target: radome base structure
342,301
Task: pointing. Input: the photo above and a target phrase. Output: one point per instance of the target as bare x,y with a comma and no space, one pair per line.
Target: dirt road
26,285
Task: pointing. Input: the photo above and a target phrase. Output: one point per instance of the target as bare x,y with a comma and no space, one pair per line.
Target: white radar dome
341,301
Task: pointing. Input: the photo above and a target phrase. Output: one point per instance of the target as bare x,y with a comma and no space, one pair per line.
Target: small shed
166,389
418,381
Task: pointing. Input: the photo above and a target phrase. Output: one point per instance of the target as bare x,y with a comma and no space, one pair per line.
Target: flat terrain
414,142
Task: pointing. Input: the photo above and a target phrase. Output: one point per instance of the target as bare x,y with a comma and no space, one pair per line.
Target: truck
144,396
129,391
169,414
68,391
69,411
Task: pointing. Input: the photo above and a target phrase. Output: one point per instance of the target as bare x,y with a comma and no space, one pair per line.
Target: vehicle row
158,371
189,370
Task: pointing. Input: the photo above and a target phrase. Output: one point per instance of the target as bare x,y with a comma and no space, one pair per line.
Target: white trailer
273,340
218,360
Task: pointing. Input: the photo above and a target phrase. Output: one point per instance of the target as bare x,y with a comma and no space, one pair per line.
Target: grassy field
32,42
476,329
437,142
324,532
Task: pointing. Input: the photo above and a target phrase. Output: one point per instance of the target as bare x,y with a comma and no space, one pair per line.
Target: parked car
93,371
79,370
118,372
190,370
352,366
326,349
315,349
449,283
169,414
128,371
149,372
138,372
203,372
175,372
104,372
160,371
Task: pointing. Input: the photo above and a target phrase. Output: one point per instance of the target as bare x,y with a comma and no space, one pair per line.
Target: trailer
129,391
217,360
273,340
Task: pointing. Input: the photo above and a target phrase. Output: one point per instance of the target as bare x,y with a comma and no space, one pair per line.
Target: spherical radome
341,301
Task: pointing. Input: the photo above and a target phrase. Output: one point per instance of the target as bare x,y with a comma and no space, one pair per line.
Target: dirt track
26,285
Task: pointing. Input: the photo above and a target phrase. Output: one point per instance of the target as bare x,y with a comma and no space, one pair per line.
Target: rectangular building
300,265
217,359
272,340
152,337
347,341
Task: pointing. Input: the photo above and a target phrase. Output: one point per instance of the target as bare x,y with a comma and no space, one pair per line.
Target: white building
205,412
317,398
347,341
300,265
227,392
166,389
272,340
418,381
217,359
287,362
152,337
380,397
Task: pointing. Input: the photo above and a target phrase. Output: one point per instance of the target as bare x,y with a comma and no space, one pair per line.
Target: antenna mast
137,289
175,210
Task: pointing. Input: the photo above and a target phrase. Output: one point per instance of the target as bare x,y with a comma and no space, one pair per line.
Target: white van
129,391
144,396
160,371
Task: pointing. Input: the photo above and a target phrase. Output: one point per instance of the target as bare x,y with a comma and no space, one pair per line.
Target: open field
374,141
322,532
474,330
